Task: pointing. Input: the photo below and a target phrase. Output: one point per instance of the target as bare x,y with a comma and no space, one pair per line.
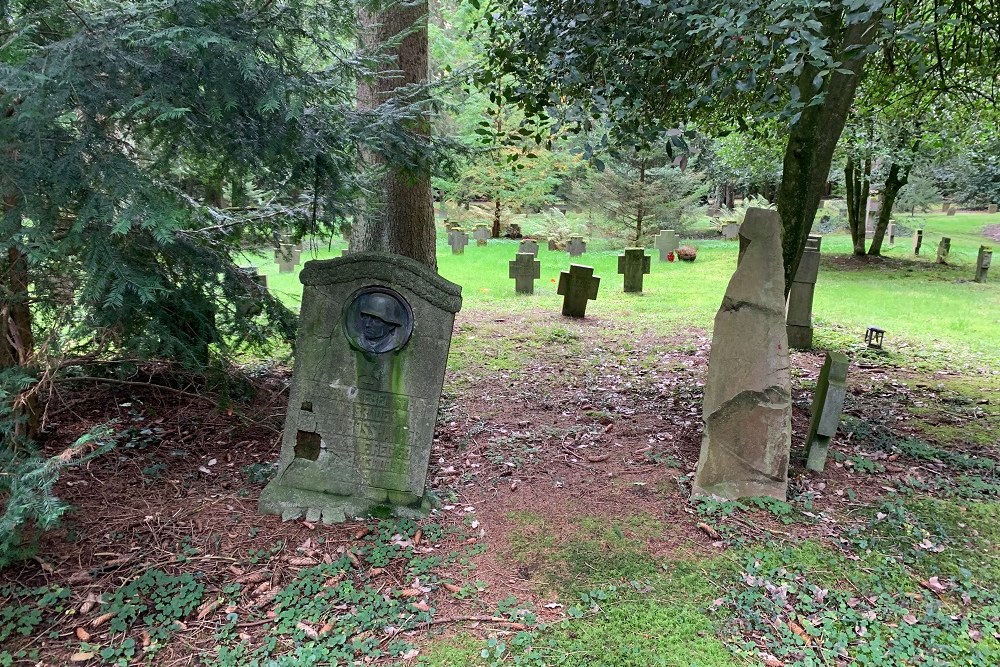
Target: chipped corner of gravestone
370,356
747,403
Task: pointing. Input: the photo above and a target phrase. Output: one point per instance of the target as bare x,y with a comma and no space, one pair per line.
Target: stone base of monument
369,366
799,337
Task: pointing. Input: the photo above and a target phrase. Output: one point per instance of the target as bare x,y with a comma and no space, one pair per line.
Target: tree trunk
894,182
858,186
17,341
639,211
812,140
402,221
495,232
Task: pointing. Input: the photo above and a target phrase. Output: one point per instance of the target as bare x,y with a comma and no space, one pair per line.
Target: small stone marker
633,265
892,232
991,209
458,240
370,358
944,247
482,234
918,239
524,270
952,210
828,403
730,231
666,242
798,311
983,261
576,246
577,286
288,257
747,407
528,245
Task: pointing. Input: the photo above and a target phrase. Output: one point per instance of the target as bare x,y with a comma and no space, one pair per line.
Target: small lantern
670,256
874,337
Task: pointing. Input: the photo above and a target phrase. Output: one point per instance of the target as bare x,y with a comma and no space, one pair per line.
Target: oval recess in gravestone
369,366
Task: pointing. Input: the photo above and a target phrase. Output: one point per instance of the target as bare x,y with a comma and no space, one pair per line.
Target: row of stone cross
983,258
579,285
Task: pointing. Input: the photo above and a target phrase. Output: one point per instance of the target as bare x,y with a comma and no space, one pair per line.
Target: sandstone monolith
747,406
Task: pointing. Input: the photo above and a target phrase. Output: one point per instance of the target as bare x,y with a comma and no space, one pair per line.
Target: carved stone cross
525,270
577,286
633,264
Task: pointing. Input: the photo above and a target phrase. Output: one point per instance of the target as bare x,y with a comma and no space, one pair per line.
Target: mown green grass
927,310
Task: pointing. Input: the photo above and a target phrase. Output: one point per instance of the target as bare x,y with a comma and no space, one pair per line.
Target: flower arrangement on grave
687,253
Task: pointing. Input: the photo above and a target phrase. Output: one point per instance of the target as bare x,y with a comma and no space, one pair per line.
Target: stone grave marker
747,406
633,265
577,286
798,311
952,210
872,210
369,366
288,257
944,247
553,244
918,239
892,232
576,246
666,242
458,239
525,269
991,209
254,274
482,235
828,403
528,245
983,260
730,231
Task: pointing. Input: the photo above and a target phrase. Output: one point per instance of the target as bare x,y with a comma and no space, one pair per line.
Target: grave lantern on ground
873,337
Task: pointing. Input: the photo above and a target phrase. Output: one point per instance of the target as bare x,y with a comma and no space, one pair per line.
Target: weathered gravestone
872,210
666,242
892,232
918,239
633,265
798,312
577,286
952,210
525,269
528,245
288,257
254,274
482,235
747,405
369,365
576,246
983,261
944,247
991,209
828,402
730,231
458,239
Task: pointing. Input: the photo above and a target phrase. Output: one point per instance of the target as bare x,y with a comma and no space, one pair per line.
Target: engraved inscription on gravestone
370,358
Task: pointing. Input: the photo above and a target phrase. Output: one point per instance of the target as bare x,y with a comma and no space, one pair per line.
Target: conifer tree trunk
402,221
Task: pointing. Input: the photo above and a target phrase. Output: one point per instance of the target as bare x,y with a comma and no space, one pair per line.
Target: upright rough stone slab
944,248
482,235
983,260
458,239
828,403
666,242
576,246
918,239
577,286
871,214
991,209
633,265
892,232
730,231
798,312
747,406
528,245
952,210
524,271
369,365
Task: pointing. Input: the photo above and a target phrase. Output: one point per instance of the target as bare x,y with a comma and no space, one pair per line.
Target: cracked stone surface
747,407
